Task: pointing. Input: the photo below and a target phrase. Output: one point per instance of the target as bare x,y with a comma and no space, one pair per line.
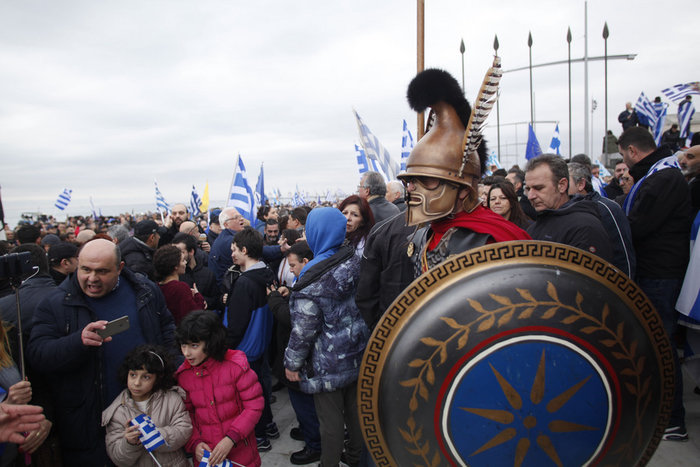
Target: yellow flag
204,206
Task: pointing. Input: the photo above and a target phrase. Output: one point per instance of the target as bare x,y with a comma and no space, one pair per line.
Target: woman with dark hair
169,263
285,276
360,221
503,201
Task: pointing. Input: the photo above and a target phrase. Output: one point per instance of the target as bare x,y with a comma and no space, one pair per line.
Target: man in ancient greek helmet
442,178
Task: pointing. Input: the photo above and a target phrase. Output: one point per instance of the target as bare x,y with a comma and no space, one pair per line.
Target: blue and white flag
225,463
329,197
195,203
150,437
94,211
492,160
260,198
670,162
556,142
686,110
533,146
604,172
406,145
63,199
679,91
375,151
689,299
660,110
298,199
241,195
645,112
161,204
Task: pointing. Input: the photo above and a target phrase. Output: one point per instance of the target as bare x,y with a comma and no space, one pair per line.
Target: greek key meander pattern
550,253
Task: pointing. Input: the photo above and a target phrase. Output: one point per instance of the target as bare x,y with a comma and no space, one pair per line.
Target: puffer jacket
167,410
224,399
328,333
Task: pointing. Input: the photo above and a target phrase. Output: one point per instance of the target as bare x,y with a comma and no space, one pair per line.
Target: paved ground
669,454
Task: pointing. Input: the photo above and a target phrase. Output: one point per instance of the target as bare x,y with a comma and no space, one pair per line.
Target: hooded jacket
167,410
138,256
224,399
328,334
575,224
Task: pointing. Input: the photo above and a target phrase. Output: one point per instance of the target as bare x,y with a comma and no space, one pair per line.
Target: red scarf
480,220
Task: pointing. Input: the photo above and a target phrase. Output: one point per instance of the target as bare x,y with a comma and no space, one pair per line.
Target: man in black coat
658,209
137,251
373,188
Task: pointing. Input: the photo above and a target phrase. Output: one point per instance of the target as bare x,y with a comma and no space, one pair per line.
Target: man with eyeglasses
373,188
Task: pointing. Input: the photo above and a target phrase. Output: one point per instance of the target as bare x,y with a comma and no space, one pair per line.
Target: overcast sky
103,97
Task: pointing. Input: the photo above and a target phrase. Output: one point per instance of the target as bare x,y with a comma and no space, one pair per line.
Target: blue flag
686,110
260,197
241,195
679,91
225,463
533,146
406,146
195,203
689,299
150,437
375,151
161,204
556,142
63,199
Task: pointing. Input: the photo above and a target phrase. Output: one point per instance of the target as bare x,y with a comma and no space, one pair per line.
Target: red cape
481,220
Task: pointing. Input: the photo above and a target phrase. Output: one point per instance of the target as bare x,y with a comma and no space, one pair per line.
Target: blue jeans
305,409
663,293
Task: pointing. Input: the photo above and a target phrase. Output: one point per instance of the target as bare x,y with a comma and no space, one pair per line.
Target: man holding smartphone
80,365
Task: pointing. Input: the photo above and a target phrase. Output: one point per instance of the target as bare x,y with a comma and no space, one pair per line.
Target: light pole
568,40
532,110
461,50
498,109
606,33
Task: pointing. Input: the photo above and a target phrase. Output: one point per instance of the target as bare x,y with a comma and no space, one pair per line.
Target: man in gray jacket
372,188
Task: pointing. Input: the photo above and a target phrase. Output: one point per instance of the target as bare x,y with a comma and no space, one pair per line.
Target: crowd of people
221,313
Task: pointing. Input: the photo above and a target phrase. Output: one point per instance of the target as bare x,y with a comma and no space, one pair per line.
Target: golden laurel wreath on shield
605,329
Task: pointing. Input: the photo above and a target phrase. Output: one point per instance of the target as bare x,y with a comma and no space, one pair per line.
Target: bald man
81,366
190,228
690,166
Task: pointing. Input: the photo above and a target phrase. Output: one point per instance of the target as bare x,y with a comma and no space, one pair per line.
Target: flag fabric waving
260,198
533,146
92,207
241,195
556,142
150,437
195,204
225,463
660,110
604,172
363,165
161,204
375,151
686,110
63,199
204,204
689,299
679,91
406,145
645,111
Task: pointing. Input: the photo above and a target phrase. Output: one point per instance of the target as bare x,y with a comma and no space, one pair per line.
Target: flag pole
532,111
420,30
154,459
233,179
568,40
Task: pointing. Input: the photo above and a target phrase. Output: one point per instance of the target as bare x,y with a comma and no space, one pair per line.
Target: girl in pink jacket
224,398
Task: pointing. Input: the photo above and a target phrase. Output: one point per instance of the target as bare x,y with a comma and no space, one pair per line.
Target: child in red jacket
224,398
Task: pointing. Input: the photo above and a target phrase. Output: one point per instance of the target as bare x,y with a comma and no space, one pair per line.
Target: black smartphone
114,327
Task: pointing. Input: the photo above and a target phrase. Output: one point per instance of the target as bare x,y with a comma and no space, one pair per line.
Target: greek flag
406,146
225,463
689,299
556,142
92,207
604,172
679,91
660,110
151,438
241,195
298,198
161,205
375,151
533,146
63,199
492,160
195,202
645,112
260,197
686,110
364,165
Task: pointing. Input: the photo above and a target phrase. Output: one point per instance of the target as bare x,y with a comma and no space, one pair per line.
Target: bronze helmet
439,153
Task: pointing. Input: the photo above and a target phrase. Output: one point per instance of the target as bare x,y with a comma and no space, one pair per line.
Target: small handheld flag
241,195
224,463
151,438
63,199
161,204
195,203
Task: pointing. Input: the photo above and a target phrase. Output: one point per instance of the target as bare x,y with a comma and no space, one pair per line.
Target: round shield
517,353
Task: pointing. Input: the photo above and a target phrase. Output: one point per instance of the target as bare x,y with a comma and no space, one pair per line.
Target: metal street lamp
606,33
568,40
532,110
